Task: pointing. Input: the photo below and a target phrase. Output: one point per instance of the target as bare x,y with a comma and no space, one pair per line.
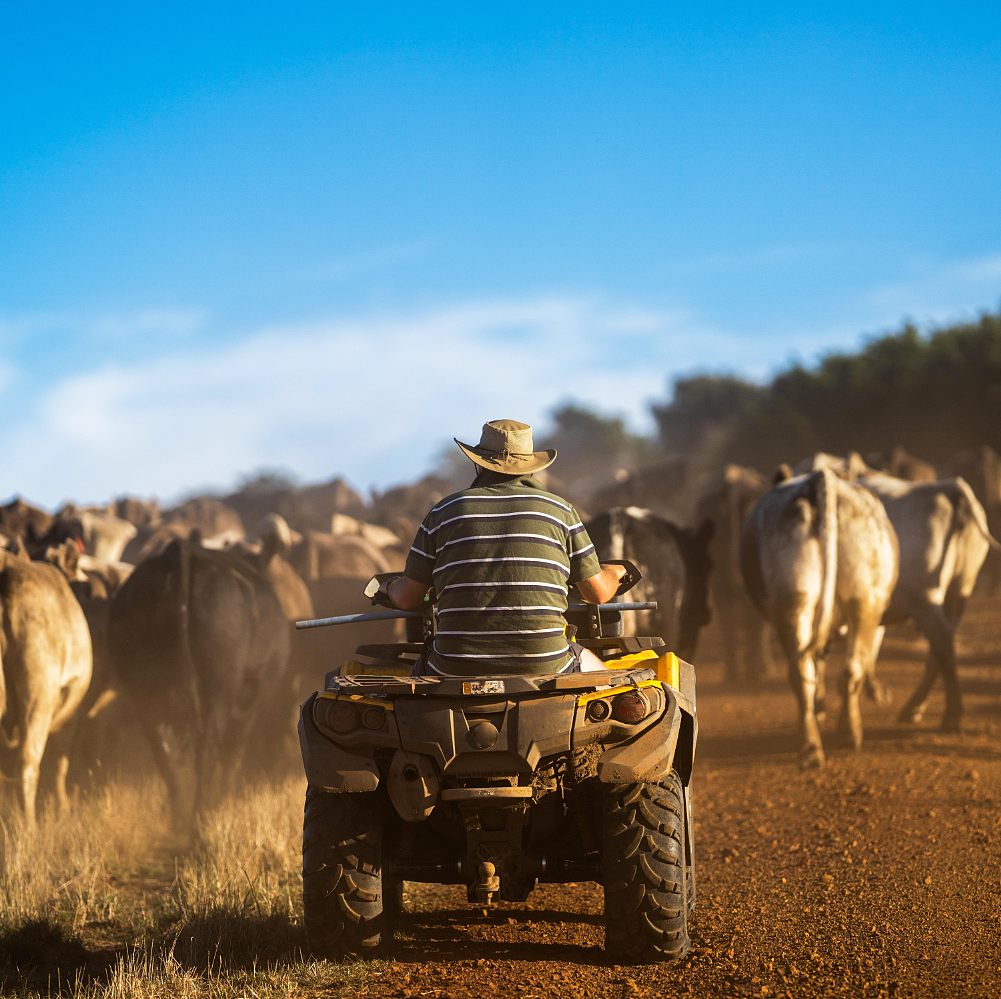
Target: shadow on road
450,935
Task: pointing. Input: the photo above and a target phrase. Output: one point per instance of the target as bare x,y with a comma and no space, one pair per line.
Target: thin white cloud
370,398
8,374
169,323
369,260
119,326
760,259
935,292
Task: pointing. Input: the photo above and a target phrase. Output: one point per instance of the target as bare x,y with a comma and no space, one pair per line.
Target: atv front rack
484,686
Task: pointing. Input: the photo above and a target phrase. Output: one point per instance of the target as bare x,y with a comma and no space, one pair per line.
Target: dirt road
878,876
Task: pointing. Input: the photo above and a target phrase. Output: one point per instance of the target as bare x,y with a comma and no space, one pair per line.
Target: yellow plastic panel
624,662
669,670
354,668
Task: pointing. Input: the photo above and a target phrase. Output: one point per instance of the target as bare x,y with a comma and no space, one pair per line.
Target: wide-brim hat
506,447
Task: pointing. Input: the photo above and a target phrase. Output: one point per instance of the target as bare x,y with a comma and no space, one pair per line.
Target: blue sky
329,239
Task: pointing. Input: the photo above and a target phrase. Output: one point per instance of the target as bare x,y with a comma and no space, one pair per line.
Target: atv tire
644,872
342,883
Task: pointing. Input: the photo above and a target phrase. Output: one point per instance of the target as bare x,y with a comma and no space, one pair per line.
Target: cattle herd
175,625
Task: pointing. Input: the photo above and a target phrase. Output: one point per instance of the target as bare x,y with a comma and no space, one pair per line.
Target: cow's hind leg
940,631
803,680
58,749
168,762
29,759
207,789
820,690
803,675
874,689
914,710
864,639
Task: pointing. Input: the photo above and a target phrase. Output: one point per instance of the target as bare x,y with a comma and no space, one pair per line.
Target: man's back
500,556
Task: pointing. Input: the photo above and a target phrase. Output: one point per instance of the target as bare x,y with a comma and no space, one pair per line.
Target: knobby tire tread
342,884
647,884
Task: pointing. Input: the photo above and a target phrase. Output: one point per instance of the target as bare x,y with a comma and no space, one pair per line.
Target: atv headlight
373,718
341,716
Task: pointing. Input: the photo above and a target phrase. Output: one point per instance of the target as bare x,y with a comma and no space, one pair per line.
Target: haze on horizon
328,239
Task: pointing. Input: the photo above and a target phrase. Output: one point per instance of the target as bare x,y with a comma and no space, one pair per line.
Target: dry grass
65,869
102,903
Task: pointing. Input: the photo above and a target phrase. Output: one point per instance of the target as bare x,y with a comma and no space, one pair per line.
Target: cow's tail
972,510
826,491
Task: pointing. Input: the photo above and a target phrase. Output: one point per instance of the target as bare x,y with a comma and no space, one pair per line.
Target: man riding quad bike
493,750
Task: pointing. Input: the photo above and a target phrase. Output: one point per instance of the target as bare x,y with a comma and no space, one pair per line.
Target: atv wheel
643,870
342,883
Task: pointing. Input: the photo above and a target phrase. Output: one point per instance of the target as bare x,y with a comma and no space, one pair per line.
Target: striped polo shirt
500,556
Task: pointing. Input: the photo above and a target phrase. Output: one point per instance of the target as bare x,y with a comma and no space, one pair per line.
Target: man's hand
406,593
601,587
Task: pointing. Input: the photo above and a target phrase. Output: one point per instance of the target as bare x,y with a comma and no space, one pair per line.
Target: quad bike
499,783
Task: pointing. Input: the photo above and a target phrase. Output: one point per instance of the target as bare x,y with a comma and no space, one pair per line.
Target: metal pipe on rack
323,622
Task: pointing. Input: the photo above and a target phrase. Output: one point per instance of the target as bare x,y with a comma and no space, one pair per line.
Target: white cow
817,553
944,540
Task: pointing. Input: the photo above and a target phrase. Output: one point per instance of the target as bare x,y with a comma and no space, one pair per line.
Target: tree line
932,393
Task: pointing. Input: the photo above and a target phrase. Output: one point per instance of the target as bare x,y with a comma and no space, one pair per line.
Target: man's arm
407,593
601,587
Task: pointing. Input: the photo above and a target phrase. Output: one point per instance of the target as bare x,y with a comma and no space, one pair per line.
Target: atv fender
670,742
327,766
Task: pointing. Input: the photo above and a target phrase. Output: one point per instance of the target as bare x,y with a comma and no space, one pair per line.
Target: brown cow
211,516
104,715
46,668
902,465
217,526
21,520
725,500
402,508
304,509
336,568
335,556
139,513
38,530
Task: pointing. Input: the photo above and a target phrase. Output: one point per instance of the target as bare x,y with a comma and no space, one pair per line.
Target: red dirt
877,876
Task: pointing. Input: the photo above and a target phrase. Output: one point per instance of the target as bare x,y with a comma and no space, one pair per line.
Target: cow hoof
878,693
849,739
910,716
950,725
811,758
